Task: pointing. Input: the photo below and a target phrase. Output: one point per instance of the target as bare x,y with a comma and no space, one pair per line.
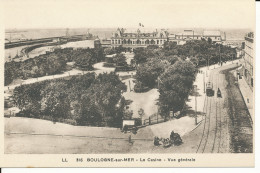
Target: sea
103,33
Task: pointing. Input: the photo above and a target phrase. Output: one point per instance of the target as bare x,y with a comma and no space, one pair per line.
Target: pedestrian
129,139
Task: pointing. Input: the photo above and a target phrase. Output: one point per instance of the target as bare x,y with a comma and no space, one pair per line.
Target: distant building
214,35
188,35
138,38
144,39
105,43
97,43
248,64
182,37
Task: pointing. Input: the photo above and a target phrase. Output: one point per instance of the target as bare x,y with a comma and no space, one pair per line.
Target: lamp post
208,63
195,91
204,82
129,86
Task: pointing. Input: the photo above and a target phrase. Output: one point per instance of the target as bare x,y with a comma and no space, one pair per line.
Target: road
225,120
215,136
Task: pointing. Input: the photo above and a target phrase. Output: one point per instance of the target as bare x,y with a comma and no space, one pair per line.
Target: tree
120,49
171,59
85,61
209,40
28,98
120,60
55,64
99,54
109,51
102,101
168,45
176,83
147,73
141,55
55,102
9,76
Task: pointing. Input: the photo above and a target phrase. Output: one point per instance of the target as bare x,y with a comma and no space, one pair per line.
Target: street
218,126
214,137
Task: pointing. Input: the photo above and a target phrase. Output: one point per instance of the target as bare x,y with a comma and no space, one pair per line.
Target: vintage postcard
127,83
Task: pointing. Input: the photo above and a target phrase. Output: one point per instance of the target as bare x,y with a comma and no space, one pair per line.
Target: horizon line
34,28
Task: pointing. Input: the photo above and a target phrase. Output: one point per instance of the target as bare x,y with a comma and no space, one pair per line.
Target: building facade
215,36
248,62
138,38
143,39
187,35
105,43
182,37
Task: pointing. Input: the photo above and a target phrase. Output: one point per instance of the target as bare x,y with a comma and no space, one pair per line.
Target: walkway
98,70
248,96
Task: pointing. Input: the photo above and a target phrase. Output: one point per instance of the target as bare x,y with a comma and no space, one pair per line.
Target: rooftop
140,33
188,33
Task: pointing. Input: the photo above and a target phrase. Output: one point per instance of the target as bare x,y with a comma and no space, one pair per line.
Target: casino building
138,38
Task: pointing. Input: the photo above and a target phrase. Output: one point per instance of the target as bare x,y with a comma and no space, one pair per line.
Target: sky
129,13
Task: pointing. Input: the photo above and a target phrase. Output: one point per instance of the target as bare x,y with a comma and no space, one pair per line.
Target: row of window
196,37
137,42
161,35
138,37
248,59
249,50
184,37
142,35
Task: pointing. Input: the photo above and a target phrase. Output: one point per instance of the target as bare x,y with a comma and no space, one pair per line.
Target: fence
156,119
153,120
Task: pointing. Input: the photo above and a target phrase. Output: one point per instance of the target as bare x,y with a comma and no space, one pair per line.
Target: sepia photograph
150,77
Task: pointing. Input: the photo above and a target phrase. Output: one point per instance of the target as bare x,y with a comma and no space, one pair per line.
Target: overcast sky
128,13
